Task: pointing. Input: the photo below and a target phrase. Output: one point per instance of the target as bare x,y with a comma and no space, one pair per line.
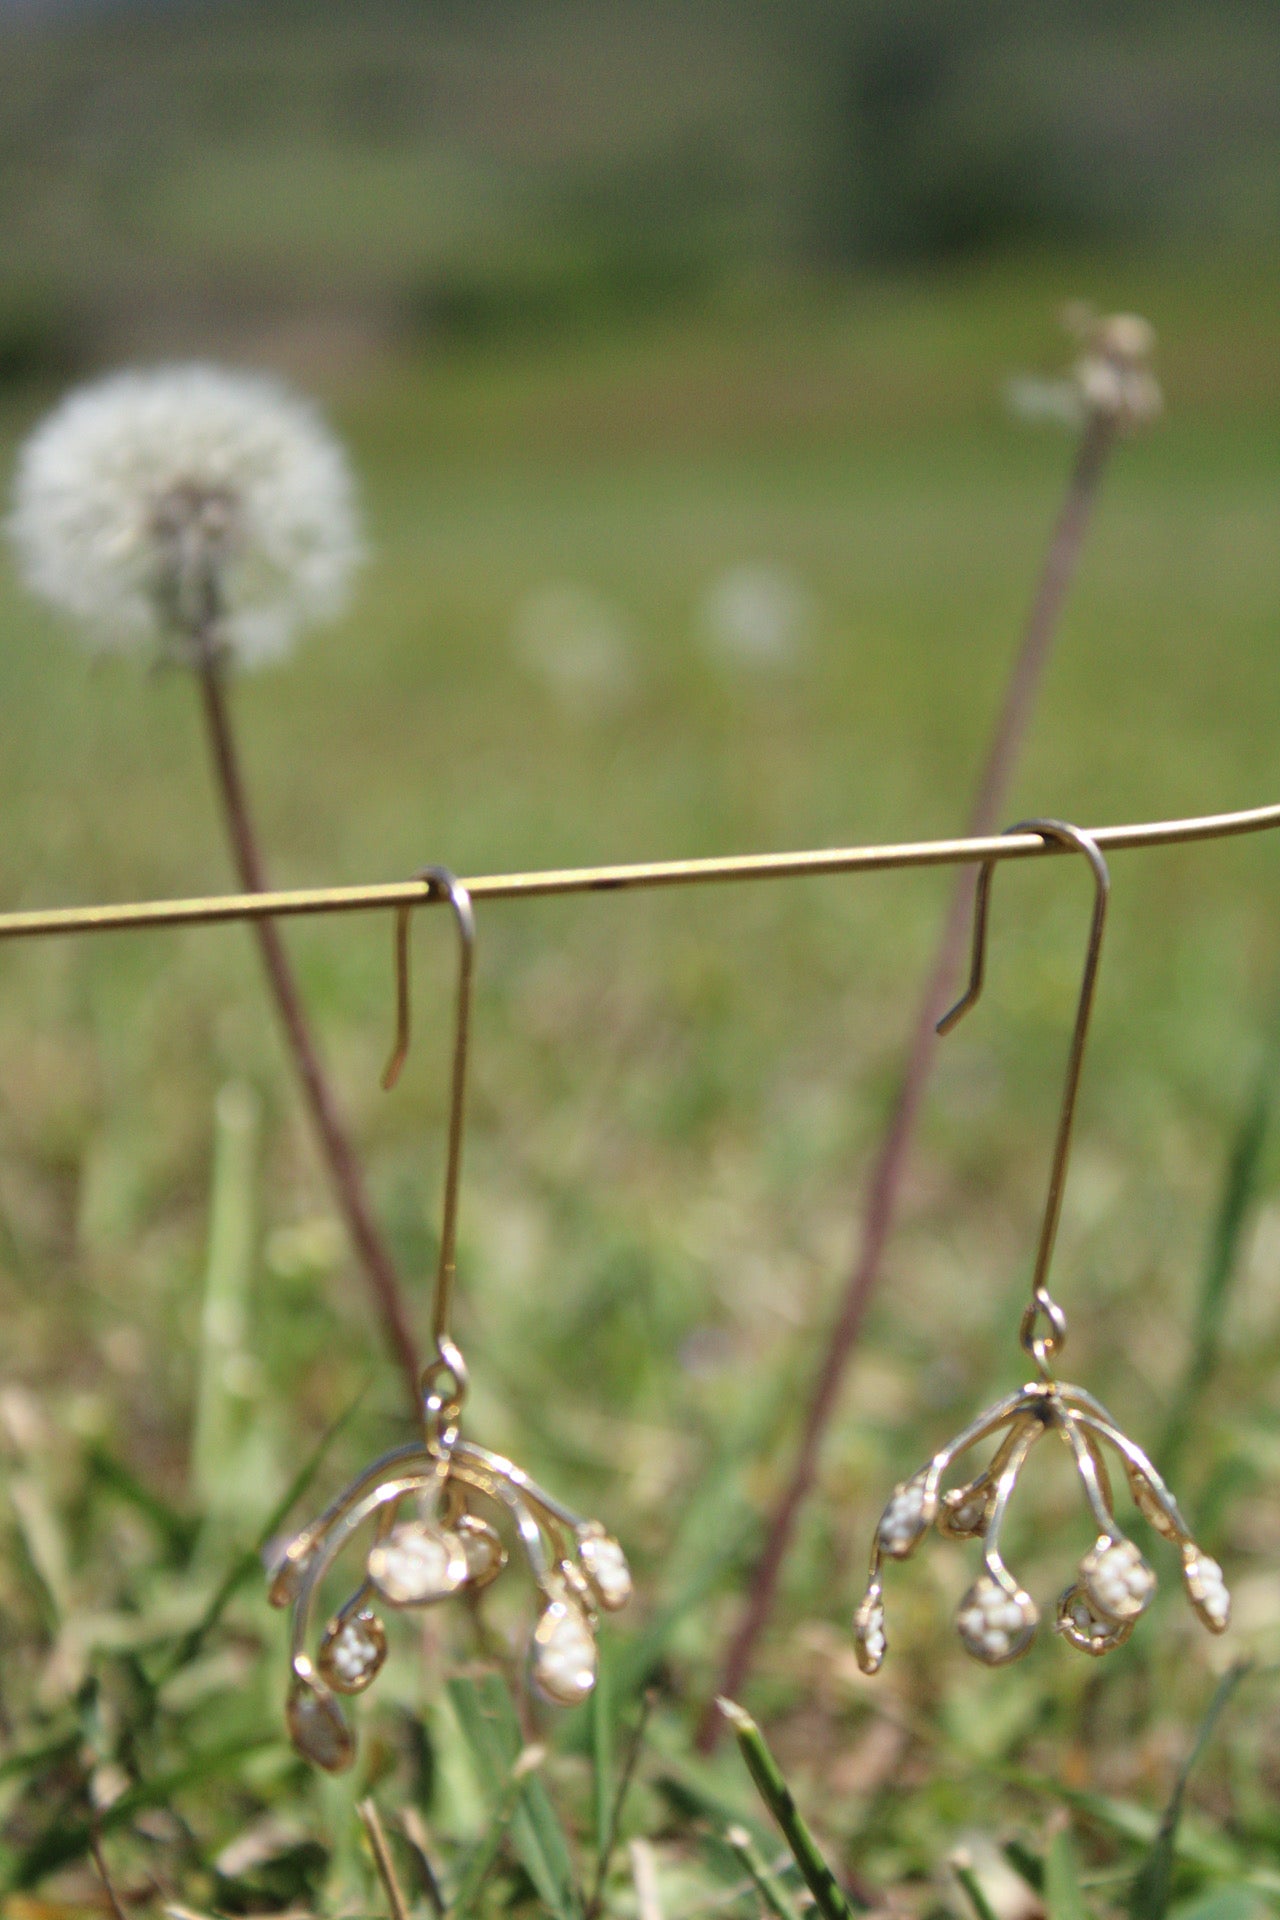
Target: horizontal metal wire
618,879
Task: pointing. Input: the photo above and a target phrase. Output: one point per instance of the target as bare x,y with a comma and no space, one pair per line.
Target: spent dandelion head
191,508
1111,383
1113,375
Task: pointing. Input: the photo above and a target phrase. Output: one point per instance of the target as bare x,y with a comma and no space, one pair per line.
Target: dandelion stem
339,1156
884,1184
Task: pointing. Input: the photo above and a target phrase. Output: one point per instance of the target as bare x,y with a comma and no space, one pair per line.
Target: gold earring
444,1547
997,1618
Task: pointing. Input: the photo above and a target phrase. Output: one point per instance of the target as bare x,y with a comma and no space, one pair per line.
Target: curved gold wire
1042,1347
446,886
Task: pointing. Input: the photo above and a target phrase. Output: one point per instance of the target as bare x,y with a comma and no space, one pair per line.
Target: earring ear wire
997,1618
446,886
1076,837
445,1548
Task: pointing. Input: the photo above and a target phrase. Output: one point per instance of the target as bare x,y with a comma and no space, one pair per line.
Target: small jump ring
1043,1347
444,1388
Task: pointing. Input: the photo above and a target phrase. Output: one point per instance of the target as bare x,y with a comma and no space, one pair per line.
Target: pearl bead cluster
606,1568
1207,1590
417,1564
995,1623
352,1652
1117,1580
904,1520
869,1639
963,1512
563,1655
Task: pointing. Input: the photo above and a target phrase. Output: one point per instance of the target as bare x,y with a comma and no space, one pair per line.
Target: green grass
674,1096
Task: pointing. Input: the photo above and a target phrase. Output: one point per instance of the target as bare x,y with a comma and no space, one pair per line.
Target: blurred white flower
576,644
1036,400
189,506
756,616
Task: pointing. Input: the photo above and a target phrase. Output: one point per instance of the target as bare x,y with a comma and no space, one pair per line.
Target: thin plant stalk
339,1156
104,1874
884,1183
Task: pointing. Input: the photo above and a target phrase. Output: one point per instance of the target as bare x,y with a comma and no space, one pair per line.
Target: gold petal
317,1727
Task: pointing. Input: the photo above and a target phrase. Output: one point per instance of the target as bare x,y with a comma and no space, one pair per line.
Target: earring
997,1618
428,1543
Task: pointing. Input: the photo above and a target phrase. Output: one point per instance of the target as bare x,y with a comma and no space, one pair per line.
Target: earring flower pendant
1114,1585
429,1544
428,1541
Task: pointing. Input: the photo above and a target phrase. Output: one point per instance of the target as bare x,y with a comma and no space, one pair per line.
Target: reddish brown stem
339,1157
885,1179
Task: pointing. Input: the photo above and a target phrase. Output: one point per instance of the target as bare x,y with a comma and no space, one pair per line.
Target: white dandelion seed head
187,506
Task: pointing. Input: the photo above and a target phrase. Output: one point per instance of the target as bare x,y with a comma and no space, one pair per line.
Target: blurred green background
670,345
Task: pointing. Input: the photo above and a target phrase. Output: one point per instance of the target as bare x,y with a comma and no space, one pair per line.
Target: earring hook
444,886
1043,1347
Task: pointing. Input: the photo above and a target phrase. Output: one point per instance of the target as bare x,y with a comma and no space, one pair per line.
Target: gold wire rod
619,879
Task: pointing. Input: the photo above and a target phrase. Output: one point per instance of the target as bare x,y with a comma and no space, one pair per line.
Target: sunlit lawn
675,1095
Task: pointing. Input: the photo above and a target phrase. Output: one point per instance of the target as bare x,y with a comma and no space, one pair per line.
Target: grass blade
774,1896
488,1718
832,1902
176,1530
972,1887
217,1443
1062,1896
71,1840
602,1757
1222,1264
478,1865
613,1813
248,1565
1153,1882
